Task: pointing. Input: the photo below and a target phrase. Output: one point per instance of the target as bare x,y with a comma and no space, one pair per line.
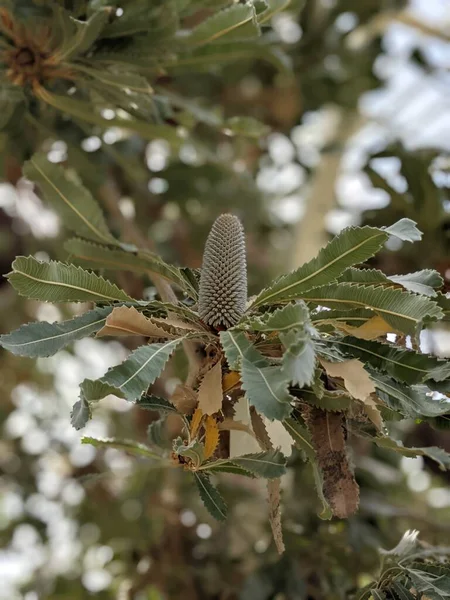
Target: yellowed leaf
196,421
370,330
126,320
210,392
184,399
211,436
358,384
230,380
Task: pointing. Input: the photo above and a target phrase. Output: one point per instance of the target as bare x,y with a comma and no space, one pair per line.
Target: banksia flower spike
223,280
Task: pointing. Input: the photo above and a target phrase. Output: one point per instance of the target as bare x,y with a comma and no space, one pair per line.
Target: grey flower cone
223,281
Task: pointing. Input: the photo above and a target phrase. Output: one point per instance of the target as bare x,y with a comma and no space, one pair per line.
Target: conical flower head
223,280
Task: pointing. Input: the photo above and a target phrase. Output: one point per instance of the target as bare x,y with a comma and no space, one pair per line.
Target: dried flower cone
223,281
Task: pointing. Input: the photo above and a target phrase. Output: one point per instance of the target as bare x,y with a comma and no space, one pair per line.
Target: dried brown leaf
184,399
274,500
210,392
339,485
358,384
126,320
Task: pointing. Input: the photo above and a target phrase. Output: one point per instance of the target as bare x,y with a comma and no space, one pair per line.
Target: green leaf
157,434
139,370
159,18
433,586
81,413
420,282
11,96
82,37
95,256
90,392
246,126
439,455
237,22
269,465
404,230
266,389
59,282
377,594
266,386
414,401
291,316
73,202
194,451
273,7
401,364
128,445
227,467
326,512
334,400
352,246
211,498
158,404
235,345
401,592
299,357
45,339
85,111
301,436
403,310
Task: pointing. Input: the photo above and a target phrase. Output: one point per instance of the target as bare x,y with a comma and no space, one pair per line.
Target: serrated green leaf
160,18
81,413
82,36
403,310
94,256
439,455
269,465
326,513
401,592
130,446
59,282
11,96
237,22
299,357
235,346
301,437
194,451
420,282
273,7
352,246
401,364
334,400
139,370
266,389
228,467
246,126
71,200
157,434
404,230
210,497
291,316
158,404
266,386
86,111
414,401
45,339
377,594
433,586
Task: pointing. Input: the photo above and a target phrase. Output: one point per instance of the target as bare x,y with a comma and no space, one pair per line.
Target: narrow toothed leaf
211,498
223,280
352,246
59,282
45,339
130,446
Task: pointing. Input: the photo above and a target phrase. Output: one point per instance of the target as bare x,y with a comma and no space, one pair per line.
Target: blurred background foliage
343,117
